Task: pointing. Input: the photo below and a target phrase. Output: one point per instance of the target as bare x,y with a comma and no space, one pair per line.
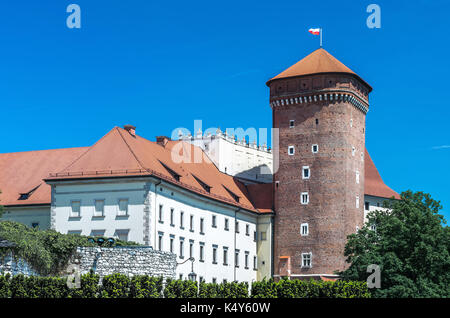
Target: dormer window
235,196
174,175
205,186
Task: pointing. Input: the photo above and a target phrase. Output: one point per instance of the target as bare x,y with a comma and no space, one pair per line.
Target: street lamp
192,275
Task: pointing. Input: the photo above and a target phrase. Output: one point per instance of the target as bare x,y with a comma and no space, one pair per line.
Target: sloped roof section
121,154
373,184
23,172
319,61
261,196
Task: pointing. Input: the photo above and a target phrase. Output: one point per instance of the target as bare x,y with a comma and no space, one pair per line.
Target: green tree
409,243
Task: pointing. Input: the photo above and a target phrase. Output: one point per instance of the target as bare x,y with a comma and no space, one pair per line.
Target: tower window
353,151
317,121
357,201
315,148
304,198
351,122
291,150
304,229
367,205
306,260
305,172
362,156
357,177
291,123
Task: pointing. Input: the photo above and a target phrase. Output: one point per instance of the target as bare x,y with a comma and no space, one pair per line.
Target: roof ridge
87,150
131,150
42,150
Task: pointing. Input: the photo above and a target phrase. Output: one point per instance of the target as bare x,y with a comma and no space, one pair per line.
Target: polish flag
314,31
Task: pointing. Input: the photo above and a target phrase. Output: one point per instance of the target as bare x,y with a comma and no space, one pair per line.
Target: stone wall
14,266
125,260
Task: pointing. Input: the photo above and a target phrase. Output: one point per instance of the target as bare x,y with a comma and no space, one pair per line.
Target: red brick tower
319,106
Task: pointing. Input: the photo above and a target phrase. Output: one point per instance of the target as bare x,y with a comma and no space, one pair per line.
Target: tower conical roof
319,61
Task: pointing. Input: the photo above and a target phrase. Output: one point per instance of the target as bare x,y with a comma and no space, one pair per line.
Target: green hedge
121,286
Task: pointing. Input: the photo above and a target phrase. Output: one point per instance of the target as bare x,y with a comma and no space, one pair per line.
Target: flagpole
320,37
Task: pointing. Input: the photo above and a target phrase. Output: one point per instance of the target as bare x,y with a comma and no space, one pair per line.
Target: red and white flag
314,31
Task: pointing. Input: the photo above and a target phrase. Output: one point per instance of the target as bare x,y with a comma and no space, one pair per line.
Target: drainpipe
156,211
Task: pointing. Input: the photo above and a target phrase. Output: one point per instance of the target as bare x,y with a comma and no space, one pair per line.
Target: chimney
162,140
131,129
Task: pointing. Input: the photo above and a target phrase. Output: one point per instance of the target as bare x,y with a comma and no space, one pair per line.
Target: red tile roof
21,172
373,184
319,61
121,154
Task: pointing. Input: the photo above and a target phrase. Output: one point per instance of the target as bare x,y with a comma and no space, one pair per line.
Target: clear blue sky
161,65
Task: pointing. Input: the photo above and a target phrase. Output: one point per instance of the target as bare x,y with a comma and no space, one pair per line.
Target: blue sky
162,64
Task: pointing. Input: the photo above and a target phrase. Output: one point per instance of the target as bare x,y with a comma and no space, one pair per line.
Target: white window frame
357,201
304,225
353,151
303,172
119,232
304,259
181,254
307,198
291,123
214,253
225,256
160,241
289,150
312,148
357,176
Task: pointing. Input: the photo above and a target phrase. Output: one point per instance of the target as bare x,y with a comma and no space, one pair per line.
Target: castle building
216,200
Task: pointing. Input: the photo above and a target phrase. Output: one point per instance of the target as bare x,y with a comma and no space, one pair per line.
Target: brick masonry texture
336,126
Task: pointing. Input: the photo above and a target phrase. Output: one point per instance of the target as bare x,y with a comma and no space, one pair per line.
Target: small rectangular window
255,263
123,207
247,229
291,150
246,256
160,241
367,206
305,172
202,252
236,258
263,236
306,260
237,226
181,220
357,177
191,248
214,252
226,226
99,207
181,247
214,221
304,229
255,236
97,233
291,123
315,148
304,198
172,212
191,223
201,226
357,201
225,256
172,238
76,209
122,235
160,216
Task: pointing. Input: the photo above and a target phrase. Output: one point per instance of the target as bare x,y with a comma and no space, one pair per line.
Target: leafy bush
38,287
146,287
208,290
264,289
115,286
233,290
5,290
180,289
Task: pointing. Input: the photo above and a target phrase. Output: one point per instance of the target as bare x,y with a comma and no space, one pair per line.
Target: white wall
142,196
375,203
179,200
